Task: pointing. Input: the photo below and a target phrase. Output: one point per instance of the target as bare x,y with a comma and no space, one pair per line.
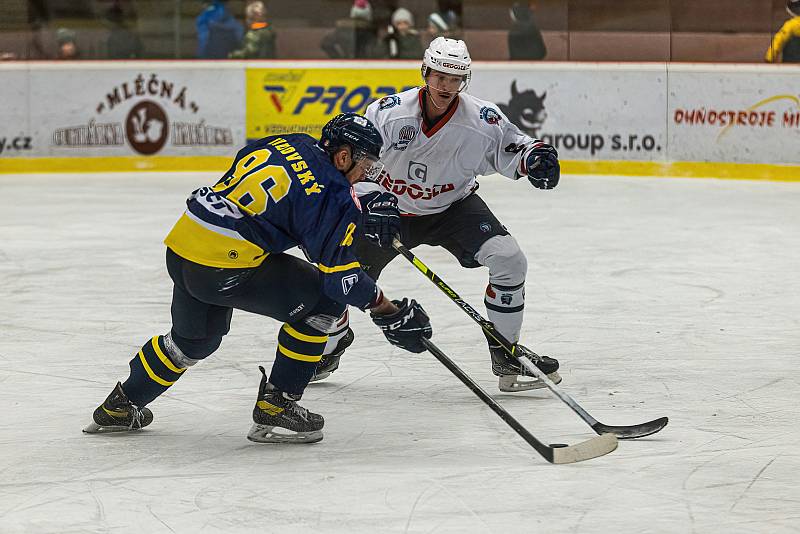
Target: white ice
659,296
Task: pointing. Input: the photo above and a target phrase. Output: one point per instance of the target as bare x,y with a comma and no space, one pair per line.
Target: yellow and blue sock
152,373
300,348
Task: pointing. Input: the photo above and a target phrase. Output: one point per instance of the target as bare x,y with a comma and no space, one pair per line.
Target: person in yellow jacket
786,43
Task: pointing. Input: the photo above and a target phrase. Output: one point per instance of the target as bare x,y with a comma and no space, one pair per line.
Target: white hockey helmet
449,56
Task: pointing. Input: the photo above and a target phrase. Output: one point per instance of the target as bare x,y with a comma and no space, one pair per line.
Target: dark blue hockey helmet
359,134
354,130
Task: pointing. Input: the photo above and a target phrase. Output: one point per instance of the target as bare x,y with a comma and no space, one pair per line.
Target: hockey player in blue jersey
227,251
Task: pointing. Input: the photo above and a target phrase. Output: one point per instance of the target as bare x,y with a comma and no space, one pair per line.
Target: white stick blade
586,450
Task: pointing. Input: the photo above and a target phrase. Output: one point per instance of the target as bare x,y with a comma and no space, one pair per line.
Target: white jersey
430,168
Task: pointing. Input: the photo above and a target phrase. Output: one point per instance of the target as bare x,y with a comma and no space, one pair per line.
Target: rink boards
658,119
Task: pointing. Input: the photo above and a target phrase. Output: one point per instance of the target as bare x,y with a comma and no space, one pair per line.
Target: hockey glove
381,218
541,165
406,327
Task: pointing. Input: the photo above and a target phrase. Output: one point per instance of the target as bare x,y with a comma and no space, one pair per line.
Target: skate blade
94,428
321,376
275,434
511,383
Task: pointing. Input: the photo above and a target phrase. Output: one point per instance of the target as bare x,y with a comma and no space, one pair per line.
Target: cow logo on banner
525,109
146,127
150,113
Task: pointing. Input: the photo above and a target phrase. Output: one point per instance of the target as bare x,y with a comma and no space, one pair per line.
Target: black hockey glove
542,167
406,327
381,218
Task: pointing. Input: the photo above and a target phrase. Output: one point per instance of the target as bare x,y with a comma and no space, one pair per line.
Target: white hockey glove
540,164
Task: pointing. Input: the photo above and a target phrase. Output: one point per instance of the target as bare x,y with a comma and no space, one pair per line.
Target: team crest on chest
490,115
406,135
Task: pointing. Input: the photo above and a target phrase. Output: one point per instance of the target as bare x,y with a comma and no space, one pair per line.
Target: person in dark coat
402,40
123,42
354,37
525,42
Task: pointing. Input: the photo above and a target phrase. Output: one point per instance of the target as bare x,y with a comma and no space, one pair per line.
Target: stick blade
633,431
586,450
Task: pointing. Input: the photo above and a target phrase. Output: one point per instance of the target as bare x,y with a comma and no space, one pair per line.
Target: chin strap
428,94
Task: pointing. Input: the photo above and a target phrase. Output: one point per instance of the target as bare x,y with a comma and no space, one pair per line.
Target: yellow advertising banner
303,100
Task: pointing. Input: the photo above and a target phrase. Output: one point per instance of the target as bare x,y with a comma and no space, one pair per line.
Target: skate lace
532,356
297,410
136,417
528,353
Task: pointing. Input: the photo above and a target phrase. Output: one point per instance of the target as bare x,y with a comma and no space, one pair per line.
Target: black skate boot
330,362
510,370
118,414
279,419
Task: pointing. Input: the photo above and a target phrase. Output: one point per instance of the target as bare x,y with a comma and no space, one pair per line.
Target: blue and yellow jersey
280,192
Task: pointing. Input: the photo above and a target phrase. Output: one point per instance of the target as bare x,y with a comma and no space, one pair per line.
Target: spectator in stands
444,25
122,42
259,41
218,32
67,42
525,40
354,37
786,43
402,40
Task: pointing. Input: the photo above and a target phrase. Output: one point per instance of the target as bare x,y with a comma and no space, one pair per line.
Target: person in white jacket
437,139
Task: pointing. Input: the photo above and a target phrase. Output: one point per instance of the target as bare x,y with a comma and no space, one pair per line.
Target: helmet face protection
358,133
793,7
448,56
371,166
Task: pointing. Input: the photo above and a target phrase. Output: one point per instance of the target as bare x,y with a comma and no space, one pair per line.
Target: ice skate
511,371
279,419
330,362
118,414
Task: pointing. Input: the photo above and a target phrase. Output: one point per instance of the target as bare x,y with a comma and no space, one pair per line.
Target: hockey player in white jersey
437,139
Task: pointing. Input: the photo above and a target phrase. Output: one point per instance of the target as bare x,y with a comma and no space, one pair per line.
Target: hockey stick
555,454
621,432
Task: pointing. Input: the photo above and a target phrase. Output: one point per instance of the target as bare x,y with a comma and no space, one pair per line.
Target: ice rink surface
659,297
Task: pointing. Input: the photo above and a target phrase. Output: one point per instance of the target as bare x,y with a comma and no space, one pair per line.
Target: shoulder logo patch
348,282
490,115
388,102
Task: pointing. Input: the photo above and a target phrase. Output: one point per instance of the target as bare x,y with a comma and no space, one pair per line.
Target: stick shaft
540,447
491,331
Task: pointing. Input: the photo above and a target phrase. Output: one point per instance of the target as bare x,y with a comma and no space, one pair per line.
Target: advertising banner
147,111
16,137
281,100
589,111
744,115
610,118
